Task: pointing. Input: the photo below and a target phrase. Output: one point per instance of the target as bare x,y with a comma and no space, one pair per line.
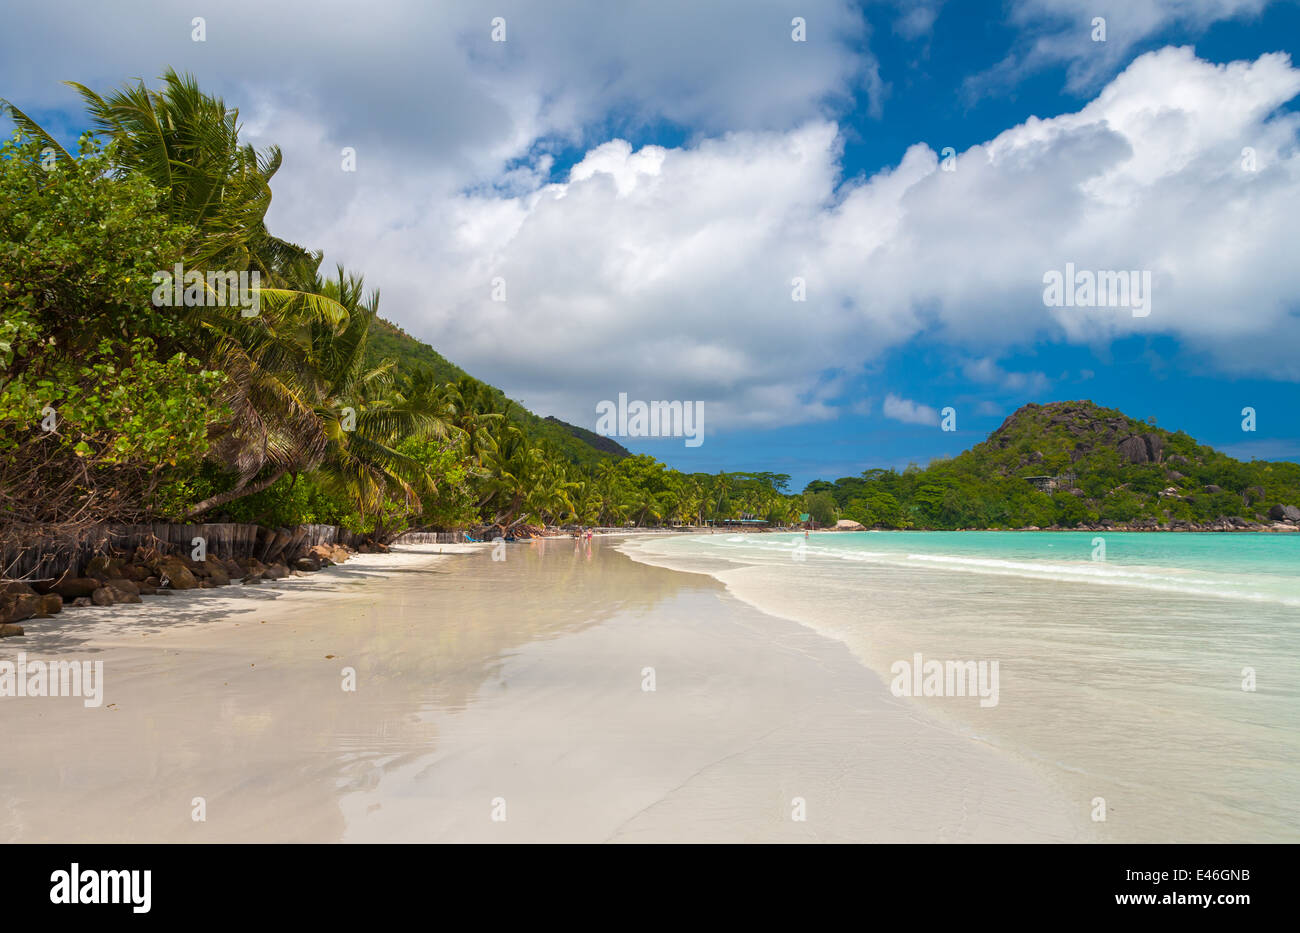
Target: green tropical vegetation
1066,464
117,408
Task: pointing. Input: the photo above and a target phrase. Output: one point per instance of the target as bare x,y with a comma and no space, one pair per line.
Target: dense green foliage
100,404
1088,465
119,402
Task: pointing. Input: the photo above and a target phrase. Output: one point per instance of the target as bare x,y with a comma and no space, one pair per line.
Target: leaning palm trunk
239,492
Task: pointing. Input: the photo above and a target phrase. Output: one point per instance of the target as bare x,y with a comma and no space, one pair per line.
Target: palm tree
553,497
472,409
646,506
719,505
362,417
347,419
187,144
504,484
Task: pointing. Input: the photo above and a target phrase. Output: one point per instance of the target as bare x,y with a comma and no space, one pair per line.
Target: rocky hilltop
1134,471
1078,465
1081,427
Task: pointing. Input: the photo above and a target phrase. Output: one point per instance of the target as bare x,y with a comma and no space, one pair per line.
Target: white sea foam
1237,583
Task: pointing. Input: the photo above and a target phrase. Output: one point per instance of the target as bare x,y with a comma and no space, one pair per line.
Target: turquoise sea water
1238,566
1163,679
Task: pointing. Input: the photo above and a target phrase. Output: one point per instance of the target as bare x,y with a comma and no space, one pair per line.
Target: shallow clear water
1121,678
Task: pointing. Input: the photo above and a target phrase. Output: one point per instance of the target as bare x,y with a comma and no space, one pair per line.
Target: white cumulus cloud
668,272
908,411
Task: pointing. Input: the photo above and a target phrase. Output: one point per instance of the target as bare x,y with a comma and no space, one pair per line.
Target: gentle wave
1190,581
1112,575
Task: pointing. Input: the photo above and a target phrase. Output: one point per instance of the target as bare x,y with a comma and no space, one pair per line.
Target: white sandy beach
489,688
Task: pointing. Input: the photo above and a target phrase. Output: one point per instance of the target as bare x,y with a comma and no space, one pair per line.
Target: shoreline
1276,527
1074,656
24,603
1185,528
521,679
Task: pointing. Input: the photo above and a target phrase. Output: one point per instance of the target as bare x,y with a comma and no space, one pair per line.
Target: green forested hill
1069,464
388,341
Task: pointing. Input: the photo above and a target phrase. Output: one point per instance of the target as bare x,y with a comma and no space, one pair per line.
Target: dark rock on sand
177,575
323,554
127,586
71,588
217,573
111,595
1284,513
123,596
16,605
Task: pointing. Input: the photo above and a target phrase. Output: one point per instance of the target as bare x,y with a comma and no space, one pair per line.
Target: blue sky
646,186
1156,377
